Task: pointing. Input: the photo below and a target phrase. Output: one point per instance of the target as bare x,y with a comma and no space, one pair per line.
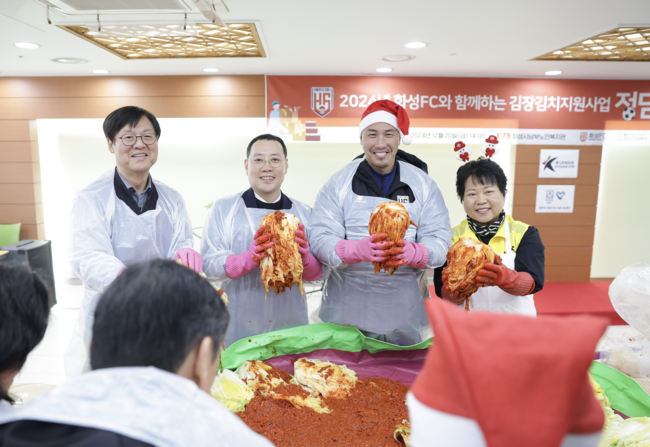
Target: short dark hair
23,316
129,115
266,136
483,171
154,314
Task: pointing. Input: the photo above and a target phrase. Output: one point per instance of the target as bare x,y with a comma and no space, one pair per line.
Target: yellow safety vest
498,242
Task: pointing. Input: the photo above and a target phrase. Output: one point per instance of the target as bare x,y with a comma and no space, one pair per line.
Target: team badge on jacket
490,149
462,152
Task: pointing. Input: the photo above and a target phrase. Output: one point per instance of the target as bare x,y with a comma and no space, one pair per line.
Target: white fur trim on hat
380,116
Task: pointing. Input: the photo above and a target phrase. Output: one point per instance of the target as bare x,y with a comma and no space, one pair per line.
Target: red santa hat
492,140
458,146
386,111
506,380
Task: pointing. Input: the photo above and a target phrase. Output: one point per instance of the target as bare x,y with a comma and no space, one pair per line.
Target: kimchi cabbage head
283,267
393,219
325,378
632,432
231,391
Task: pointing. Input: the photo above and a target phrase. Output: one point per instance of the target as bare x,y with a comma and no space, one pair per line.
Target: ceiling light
27,45
384,70
101,72
415,45
398,58
211,70
69,60
553,73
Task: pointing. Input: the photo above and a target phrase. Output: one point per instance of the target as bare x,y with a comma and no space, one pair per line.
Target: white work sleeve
434,230
183,237
216,244
90,251
327,225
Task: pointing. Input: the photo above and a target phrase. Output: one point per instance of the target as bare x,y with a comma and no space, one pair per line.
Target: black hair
154,314
483,171
266,136
129,115
24,311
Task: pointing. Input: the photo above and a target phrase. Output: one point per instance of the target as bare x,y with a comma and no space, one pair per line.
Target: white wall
204,160
622,218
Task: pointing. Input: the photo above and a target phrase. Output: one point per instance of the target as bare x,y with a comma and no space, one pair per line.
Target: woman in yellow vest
481,187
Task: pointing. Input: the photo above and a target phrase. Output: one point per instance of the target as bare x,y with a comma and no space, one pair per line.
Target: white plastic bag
628,350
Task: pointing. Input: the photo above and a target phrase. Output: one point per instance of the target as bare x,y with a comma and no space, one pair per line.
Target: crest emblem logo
583,136
322,100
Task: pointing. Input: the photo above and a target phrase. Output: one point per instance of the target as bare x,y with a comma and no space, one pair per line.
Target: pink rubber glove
311,268
368,249
244,263
414,255
190,258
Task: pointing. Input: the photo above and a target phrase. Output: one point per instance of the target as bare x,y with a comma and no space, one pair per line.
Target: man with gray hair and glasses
232,246
122,218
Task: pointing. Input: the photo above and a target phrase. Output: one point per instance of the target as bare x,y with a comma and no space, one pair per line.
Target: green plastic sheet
304,339
623,392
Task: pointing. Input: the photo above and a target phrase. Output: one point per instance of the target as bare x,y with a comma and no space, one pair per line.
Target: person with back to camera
23,320
155,353
124,217
509,287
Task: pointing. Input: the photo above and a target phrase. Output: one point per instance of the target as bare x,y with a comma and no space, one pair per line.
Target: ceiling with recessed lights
472,38
617,45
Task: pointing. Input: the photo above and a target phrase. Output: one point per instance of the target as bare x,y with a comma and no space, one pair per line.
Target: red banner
466,102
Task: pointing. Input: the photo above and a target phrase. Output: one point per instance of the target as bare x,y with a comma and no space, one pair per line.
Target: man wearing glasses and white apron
122,218
387,308
232,247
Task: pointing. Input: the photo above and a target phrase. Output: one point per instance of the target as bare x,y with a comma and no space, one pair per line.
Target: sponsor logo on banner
555,198
583,136
559,163
322,100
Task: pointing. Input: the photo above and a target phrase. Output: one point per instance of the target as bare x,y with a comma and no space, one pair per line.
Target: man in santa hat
384,307
494,380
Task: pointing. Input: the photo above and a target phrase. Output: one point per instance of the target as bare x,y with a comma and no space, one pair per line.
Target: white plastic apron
493,299
134,238
250,313
385,307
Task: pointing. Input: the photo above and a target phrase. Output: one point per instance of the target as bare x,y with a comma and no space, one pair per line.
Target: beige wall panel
13,129
162,107
20,193
585,195
137,86
18,151
24,213
32,231
20,173
566,236
568,256
582,216
528,174
567,274
530,154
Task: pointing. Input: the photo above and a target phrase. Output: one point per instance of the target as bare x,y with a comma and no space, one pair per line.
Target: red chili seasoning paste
367,417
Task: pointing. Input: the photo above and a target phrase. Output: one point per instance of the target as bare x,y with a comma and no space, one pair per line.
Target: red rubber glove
369,249
244,263
447,294
190,258
508,280
412,254
311,268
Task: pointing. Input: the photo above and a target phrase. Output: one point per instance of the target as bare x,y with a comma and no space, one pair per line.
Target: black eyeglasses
129,140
